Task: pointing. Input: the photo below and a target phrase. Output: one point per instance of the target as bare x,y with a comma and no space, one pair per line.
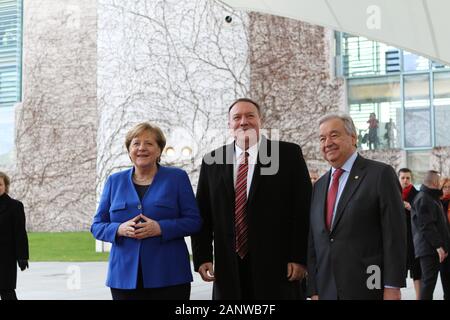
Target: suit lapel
255,181
357,174
2,208
322,191
256,178
227,173
4,199
228,170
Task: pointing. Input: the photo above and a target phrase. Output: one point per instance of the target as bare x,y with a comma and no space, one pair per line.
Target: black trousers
245,278
8,294
430,269
295,290
445,278
178,292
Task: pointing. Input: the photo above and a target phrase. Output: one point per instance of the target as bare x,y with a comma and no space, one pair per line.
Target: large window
362,57
10,72
441,102
380,97
417,110
397,99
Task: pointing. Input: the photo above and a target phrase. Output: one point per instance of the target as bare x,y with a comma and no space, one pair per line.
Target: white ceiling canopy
418,26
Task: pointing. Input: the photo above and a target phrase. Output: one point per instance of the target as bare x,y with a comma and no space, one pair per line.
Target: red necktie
331,197
240,216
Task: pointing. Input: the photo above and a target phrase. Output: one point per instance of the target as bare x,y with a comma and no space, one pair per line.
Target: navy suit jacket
165,258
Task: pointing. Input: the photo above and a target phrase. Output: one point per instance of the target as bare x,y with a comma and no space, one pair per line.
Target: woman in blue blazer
145,212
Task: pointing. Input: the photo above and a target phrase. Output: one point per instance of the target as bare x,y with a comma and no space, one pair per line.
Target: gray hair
431,179
348,121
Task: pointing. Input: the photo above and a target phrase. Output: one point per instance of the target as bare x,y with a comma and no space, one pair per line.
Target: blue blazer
164,259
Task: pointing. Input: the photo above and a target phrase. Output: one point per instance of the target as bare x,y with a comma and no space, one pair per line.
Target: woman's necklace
144,181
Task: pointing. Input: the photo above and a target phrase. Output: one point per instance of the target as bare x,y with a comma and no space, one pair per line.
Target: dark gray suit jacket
369,229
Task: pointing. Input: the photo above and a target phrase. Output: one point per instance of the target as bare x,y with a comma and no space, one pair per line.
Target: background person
445,266
373,131
13,240
430,232
409,192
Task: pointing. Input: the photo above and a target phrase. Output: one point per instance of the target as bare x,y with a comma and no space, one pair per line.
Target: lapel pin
356,177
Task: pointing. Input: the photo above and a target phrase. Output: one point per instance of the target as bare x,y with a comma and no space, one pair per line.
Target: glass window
363,57
439,66
419,163
417,91
417,128
417,111
391,120
6,134
405,120
380,97
413,62
10,73
441,101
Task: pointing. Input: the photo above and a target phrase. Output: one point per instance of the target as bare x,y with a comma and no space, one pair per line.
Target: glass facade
396,98
10,72
441,103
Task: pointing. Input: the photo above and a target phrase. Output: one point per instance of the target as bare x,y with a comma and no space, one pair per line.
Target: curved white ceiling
419,26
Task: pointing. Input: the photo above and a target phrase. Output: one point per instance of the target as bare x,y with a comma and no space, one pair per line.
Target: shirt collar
347,166
252,152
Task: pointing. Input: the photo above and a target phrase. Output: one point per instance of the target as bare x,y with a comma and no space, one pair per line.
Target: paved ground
86,281
77,281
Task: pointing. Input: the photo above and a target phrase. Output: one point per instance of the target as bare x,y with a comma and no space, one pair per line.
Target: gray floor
86,281
77,281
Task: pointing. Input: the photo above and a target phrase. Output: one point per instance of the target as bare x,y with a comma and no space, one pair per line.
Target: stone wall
56,123
394,157
440,160
177,64
293,77
93,69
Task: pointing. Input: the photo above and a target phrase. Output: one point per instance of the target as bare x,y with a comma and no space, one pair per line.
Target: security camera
228,19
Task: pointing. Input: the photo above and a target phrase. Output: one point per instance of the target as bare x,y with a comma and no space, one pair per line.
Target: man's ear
355,140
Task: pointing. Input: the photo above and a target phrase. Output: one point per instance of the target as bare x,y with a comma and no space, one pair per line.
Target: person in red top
445,266
408,195
373,131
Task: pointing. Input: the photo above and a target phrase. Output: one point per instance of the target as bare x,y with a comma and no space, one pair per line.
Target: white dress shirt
252,158
347,167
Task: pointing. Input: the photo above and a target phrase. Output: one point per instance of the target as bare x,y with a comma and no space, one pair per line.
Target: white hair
348,121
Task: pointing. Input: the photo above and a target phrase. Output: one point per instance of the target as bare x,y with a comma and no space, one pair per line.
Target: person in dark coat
408,195
445,266
13,240
430,233
253,196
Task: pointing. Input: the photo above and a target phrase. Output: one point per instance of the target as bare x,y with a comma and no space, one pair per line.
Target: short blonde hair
6,180
142,127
